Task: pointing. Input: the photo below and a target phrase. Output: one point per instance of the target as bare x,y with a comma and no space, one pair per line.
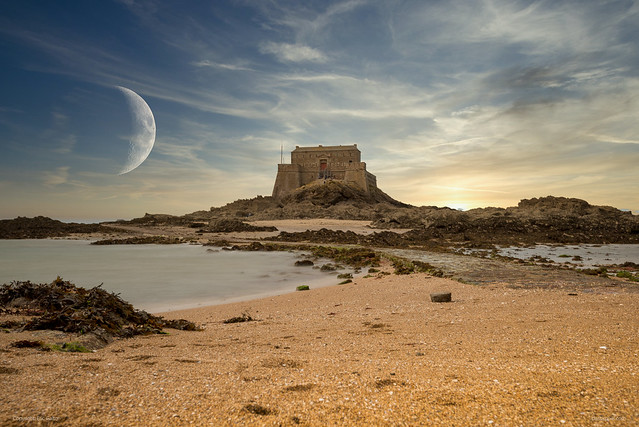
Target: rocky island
332,183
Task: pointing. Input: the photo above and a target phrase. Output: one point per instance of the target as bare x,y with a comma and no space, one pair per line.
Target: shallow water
159,277
580,255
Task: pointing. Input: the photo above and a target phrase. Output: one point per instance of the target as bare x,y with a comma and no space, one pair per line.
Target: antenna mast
281,154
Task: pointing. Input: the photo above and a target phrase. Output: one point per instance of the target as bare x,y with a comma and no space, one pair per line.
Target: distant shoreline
547,220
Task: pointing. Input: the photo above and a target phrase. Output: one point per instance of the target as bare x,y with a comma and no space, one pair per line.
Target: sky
452,103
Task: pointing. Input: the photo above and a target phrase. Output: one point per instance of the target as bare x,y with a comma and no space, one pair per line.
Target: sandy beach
373,352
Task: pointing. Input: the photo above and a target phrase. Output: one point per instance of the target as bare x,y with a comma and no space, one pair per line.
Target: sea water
159,278
579,256
587,255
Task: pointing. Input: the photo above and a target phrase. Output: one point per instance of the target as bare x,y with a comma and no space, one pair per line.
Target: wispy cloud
66,143
287,52
212,64
59,132
57,177
305,22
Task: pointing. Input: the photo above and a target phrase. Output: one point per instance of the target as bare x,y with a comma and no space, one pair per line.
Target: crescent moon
143,137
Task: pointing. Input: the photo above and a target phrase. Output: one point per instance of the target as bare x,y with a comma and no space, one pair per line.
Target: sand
373,352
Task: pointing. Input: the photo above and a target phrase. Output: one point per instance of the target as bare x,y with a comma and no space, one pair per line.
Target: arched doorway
323,172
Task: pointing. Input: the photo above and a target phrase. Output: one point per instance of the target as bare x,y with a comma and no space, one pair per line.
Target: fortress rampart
310,164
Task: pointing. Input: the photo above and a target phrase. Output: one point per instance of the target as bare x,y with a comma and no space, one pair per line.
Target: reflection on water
159,277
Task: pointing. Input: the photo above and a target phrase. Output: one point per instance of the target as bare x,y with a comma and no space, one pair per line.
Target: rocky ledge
41,227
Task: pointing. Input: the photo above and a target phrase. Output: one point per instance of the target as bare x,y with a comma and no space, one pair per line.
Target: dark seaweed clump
245,317
62,306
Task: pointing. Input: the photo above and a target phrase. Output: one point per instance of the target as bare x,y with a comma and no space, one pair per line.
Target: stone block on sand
440,297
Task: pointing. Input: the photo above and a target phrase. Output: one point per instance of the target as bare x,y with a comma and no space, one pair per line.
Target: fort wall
289,177
309,164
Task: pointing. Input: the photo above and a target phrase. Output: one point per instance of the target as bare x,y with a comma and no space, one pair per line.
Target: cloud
58,177
66,143
306,22
445,99
211,64
613,139
287,52
59,132
339,97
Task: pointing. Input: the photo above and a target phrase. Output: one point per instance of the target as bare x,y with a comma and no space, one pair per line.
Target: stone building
309,164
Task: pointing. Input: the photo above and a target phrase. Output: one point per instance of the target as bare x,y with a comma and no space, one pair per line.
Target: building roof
327,148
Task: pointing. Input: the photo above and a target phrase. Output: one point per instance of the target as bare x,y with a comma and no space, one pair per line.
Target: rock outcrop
544,220
40,227
225,225
538,220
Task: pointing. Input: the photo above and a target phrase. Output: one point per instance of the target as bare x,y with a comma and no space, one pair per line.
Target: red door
323,166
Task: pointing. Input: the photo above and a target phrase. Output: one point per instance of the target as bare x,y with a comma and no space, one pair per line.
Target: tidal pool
586,256
159,277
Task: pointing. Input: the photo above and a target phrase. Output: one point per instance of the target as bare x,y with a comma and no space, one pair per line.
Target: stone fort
311,164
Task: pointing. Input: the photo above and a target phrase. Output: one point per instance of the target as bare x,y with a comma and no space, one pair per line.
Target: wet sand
373,352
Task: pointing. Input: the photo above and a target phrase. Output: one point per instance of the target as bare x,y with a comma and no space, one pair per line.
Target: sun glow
460,206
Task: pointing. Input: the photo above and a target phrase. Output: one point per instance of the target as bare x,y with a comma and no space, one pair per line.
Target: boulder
441,297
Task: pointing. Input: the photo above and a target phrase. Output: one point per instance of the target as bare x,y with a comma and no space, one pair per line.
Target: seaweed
245,317
27,344
71,347
601,271
356,257
258,409
62,306
406,266
299,387
8,370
